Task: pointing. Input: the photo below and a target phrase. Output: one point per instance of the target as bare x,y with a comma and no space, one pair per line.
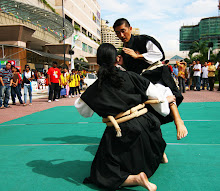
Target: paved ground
40,103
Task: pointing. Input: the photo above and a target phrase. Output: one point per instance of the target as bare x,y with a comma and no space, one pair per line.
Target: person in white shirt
196,75
205,79
28,76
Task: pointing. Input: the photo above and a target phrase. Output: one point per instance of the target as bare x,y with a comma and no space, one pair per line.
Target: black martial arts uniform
159,75
141,147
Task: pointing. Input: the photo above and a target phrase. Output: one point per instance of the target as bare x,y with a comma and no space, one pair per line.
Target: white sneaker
69,96
49,101
30,103
56,100
73,96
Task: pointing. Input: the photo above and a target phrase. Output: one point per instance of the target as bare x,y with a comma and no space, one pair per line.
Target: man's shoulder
142,37
3,70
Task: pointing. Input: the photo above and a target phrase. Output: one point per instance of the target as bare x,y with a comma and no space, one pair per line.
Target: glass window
84,47
99,33
90,49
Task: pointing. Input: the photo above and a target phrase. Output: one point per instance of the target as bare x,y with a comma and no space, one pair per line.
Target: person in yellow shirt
60,81
66,77
211,75
181,75
72,83
77,77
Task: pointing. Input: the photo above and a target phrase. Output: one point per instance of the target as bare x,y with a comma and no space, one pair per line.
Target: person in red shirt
167,63
53,82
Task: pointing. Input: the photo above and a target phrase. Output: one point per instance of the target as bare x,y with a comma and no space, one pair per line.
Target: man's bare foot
164,159
144,182
181,129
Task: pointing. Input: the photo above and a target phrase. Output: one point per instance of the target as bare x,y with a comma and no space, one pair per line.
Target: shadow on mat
92,149
75,139
71,171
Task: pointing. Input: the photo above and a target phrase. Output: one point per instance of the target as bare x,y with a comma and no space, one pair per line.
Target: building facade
207,30
31,31
86,19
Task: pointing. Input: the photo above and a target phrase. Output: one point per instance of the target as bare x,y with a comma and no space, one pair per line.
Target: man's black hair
167,61
120,22
59,66
54,62
8,63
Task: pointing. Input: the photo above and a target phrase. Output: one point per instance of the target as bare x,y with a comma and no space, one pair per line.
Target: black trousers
15,91
72,91
54,90
211,83
77,89
182,84
59,92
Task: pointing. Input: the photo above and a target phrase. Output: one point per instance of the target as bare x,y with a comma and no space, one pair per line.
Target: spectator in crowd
36,75
211,75
181,75
28,76
196,75
191,78
218,68
167,63
187,75
53,82
60,82
77,77
205,80
66,77
19,81
175,74
5,85
14,88
72,83
81,80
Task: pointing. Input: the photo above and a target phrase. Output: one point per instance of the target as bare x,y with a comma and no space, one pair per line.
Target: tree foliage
202,49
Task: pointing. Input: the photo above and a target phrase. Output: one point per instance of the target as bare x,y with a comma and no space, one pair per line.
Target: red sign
12,62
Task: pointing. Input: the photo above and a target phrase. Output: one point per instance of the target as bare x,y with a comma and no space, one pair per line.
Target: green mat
52,150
